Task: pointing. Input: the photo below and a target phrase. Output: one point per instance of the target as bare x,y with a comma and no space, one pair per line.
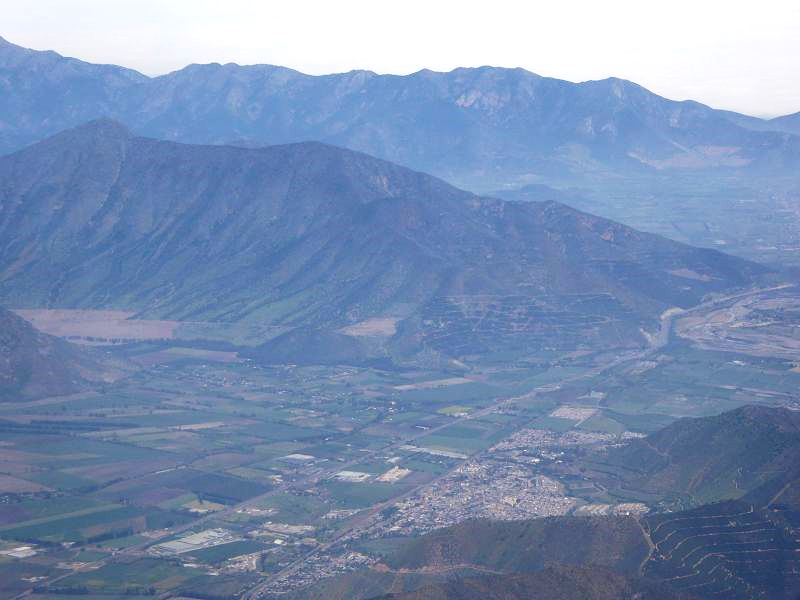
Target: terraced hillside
731,550
465,323
741,549
727,550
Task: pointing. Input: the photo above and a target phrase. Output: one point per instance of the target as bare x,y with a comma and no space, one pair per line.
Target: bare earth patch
200,426
689,274
426,385
573,413
14,485
698,157
377,327
97,326
174,354
758,325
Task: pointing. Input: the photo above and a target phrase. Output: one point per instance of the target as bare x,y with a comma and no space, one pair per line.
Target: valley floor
205,474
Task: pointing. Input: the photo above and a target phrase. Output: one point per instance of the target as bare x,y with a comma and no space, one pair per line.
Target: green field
221,553
141,576
94,525
554,424
361,495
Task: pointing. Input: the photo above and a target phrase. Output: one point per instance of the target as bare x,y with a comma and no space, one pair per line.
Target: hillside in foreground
732,550
553,583
711,458
740,549
34,364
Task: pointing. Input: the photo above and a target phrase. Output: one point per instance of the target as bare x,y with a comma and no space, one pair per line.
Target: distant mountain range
786,123
308,236
482,128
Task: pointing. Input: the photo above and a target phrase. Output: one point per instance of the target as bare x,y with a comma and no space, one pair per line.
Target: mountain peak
9,46
4,43
782,418
101,136
615,85
104,127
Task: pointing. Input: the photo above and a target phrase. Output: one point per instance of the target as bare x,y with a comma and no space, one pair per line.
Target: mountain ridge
705,550
474,126
303,234
709,459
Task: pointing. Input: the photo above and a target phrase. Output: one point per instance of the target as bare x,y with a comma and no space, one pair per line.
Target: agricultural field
194,440
288,460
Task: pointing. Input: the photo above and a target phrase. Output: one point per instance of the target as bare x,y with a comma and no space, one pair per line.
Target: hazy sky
741,55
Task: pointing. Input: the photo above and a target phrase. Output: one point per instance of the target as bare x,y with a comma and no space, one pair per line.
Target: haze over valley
448,335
